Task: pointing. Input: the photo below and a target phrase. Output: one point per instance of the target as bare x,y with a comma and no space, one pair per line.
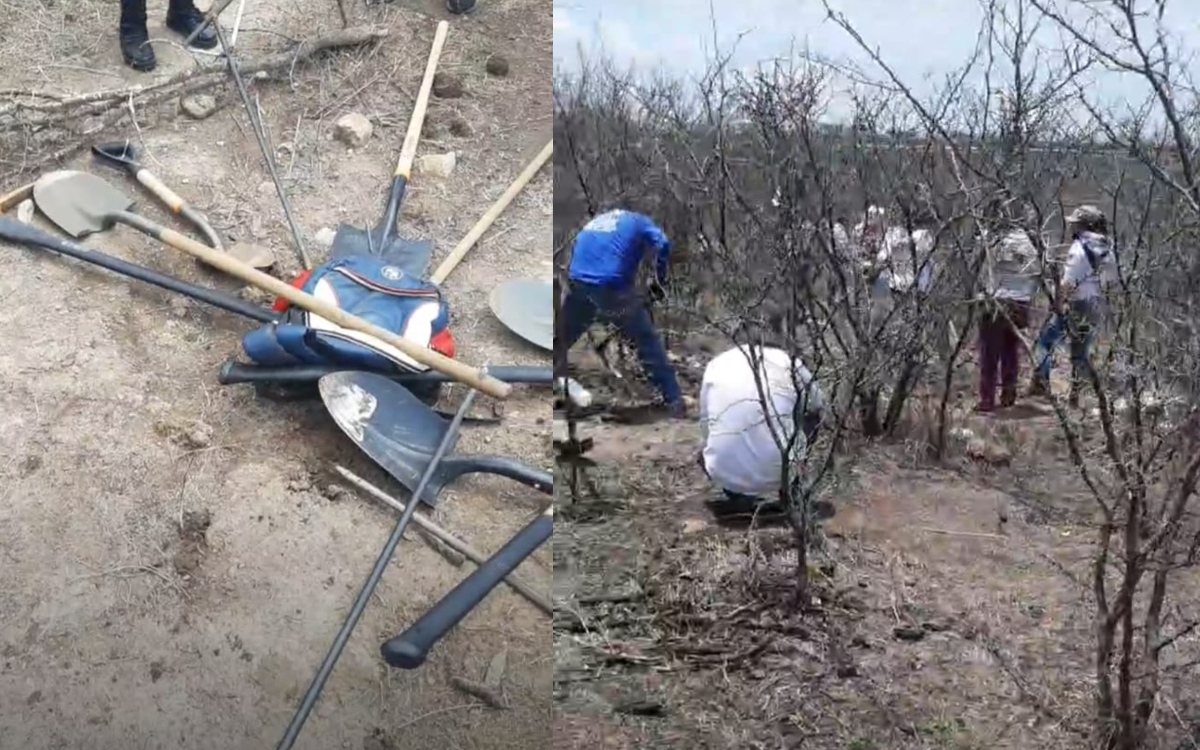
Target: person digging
182,17
740,425
602,280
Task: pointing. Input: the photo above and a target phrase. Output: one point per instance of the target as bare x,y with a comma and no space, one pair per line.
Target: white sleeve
1077,269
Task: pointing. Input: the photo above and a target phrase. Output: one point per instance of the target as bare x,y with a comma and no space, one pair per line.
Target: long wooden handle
178,205
456,255
408,151
15,197
234,267
516,581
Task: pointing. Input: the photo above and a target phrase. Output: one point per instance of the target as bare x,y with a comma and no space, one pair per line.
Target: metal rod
209,18
260,135
368,589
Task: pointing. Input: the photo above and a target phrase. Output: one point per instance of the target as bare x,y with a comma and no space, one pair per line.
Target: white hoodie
1089,281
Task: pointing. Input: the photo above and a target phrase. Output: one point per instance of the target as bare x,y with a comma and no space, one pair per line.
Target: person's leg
989,360
1010,352
1052,334
1082,335
577,314
135,40
633,318
183,18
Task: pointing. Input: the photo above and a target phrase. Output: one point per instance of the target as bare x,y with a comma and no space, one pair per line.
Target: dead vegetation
1023,581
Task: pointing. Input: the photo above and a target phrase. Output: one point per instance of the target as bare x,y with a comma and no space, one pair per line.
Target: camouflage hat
1086,214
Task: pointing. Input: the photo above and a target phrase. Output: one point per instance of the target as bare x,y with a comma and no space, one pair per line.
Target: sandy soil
162,590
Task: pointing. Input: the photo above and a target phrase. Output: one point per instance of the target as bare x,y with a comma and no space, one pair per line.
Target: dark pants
587,303
1000,351
739,503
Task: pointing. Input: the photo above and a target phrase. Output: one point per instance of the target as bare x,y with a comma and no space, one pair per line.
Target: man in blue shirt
604,265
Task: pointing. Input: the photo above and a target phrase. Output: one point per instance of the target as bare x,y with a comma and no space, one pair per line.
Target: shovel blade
79,203
388,423
411,256
526,307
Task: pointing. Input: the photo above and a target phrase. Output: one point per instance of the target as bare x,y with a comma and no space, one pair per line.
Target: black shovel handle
234,372
410,649
24,234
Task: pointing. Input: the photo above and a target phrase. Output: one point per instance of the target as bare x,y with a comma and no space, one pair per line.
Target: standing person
1079,303
601,285
740,424
1011,279
182,17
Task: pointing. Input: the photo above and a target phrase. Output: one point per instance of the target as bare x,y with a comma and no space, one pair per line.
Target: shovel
526,307
412,256
123,155
83,204
401,434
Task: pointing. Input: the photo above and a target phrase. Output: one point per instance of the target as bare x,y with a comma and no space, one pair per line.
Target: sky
917,38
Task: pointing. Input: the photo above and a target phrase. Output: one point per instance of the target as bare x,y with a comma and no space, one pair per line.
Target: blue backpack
372,289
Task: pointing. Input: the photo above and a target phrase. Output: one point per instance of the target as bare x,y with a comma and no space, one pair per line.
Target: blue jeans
1052,335
587,303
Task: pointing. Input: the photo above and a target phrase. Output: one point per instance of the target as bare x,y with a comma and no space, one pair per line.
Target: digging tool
517,583
401,434
19,233
410,649
411,255
456,255
363,408
526,307
16,197
83,204
234,372
123,155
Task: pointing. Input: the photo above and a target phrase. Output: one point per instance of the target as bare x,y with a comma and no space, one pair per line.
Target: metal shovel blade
388,423
412,256
79,203
526,307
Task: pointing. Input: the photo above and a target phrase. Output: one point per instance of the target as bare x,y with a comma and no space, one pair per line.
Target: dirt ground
953,610
177,556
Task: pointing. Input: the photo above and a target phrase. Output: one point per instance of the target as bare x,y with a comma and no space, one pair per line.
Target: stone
324,236
497,66
198,106
437,165
353,129
447,86
25,211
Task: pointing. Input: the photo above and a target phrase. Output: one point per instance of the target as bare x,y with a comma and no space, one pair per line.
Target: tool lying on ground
14,198
234,372
526,307
383,241
399,433
123,155
376,411
81,206
517,583
447,266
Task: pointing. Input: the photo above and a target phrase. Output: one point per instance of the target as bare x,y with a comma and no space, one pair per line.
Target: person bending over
740,424
601,285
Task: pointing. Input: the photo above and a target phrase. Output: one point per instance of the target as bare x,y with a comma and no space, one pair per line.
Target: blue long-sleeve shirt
610,248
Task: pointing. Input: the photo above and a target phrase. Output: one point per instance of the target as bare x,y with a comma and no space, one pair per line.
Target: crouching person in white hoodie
741,424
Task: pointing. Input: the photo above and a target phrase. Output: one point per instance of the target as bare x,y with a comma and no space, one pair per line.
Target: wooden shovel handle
234,267
456,255
15,197
408,151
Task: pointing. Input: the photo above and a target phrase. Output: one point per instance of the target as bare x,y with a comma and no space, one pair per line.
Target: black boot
135,41
183,18
460,7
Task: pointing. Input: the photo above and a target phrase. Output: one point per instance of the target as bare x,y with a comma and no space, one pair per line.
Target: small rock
324,236
156,671
497,66
25,211
301,483
495,670
198,106
353,129
257,296
198,435
437,165
334,492
908,633
447,86
459,128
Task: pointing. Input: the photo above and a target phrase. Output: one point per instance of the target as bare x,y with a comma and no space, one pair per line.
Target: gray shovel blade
526,307
412,256
79,203
389,424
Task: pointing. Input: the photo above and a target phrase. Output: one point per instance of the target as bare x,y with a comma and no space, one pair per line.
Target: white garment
1079,273
740,450
1013,267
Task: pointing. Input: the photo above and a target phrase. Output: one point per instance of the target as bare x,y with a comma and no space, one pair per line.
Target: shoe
136,49
1038,387
985,409
1008,397
460,7
185,19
